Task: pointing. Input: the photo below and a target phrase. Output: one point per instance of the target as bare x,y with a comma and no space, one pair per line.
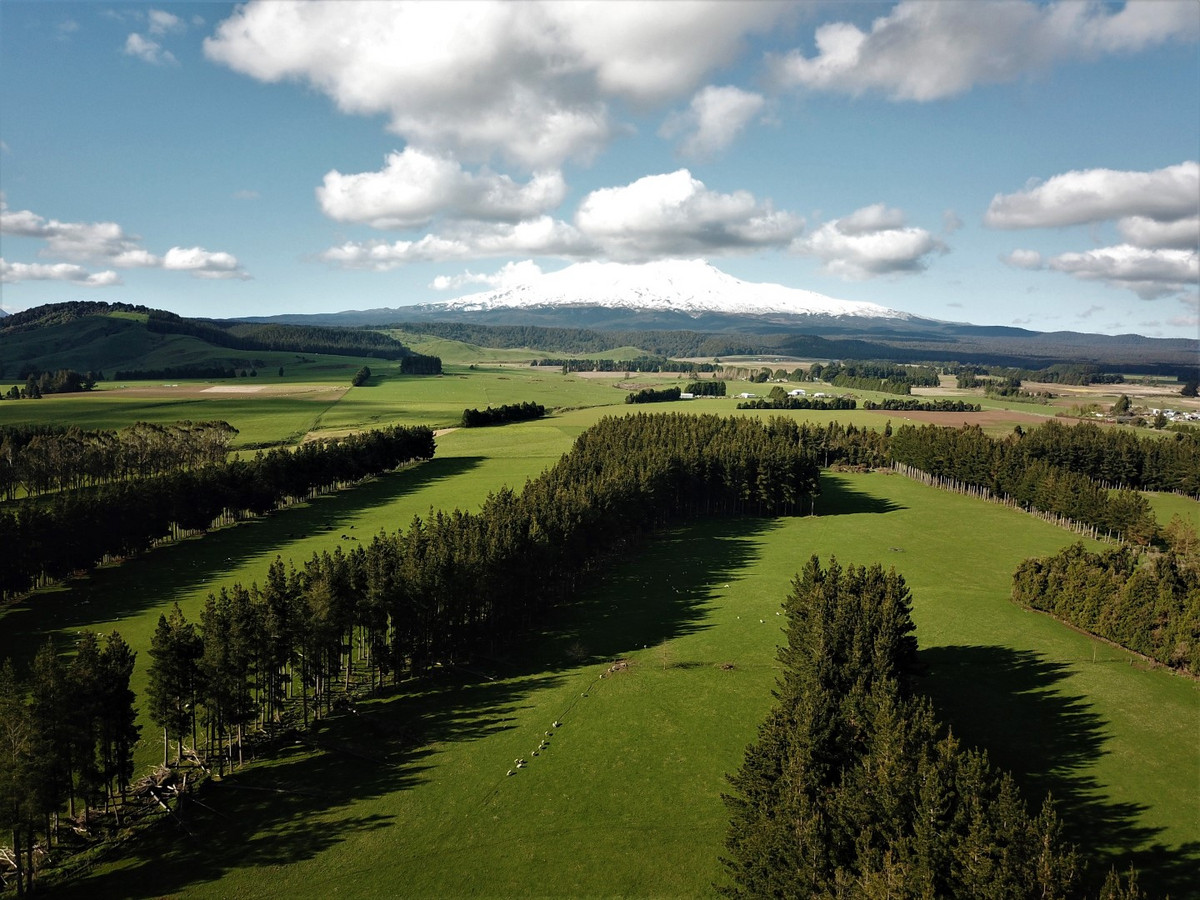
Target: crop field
659,673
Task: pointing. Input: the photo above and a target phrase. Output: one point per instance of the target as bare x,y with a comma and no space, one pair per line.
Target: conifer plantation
854,789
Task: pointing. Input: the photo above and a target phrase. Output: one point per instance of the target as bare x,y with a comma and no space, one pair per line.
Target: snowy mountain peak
691,287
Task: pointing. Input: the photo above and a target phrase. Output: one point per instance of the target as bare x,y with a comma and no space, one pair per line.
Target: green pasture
412,797
1167,506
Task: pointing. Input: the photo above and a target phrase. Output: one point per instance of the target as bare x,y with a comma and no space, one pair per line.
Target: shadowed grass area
1014,703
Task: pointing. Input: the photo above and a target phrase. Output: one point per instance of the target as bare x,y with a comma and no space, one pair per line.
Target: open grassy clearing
626,798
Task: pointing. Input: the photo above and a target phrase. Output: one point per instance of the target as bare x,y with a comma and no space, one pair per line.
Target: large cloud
715,117
1148,273
107,243
870,241
415,186
656,217
532,81
929,50
1157,214
1097,195
675,215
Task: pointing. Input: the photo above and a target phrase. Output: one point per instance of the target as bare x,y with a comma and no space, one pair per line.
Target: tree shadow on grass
1007,701
300,803
152,580
308,797
655,593
839,499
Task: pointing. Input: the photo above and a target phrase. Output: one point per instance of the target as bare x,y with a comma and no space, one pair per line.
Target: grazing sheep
511,772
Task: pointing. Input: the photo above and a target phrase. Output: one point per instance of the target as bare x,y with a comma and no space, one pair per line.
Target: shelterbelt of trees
854,789
640,364
914,405
509,412
786,402
1147,602
1067,471
458,584
45,458
69,732
76,530
651,395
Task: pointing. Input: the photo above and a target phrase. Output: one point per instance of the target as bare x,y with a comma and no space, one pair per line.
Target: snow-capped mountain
690,287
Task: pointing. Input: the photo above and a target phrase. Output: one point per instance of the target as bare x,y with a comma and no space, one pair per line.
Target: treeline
457,584
875,376
650,395
640,364
1147,602
787,402
509,412
62,381
171,373
914,405
46,458
291,338
854,789
68,736
78,530
1061,373
709,388
967,456
420,364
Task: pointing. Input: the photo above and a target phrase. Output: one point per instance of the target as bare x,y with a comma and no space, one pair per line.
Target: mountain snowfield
691,287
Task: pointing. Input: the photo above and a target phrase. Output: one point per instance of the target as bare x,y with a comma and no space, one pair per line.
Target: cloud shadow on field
839,499
1010,702
155,578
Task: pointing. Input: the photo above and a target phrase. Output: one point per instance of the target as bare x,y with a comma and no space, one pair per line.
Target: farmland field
626,800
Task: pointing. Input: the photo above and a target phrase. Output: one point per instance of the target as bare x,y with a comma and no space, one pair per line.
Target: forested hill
102,337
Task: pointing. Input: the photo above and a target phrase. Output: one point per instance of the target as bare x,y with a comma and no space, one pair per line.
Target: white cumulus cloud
107,243
869,242
923,51
1097,195
716,116
1157,214
542,236
415,186
12,273
530,81
1150,274
673,215
1142,231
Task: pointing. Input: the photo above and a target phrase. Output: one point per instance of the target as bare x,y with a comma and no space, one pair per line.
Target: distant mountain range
690,287
691,295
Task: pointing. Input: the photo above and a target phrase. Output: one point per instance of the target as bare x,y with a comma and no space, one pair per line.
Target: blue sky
994,162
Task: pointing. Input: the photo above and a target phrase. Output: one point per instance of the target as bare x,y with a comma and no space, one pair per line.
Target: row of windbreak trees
1066,471
67,736
457,584
77,530
1147,602
509,412
45,458
854,789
